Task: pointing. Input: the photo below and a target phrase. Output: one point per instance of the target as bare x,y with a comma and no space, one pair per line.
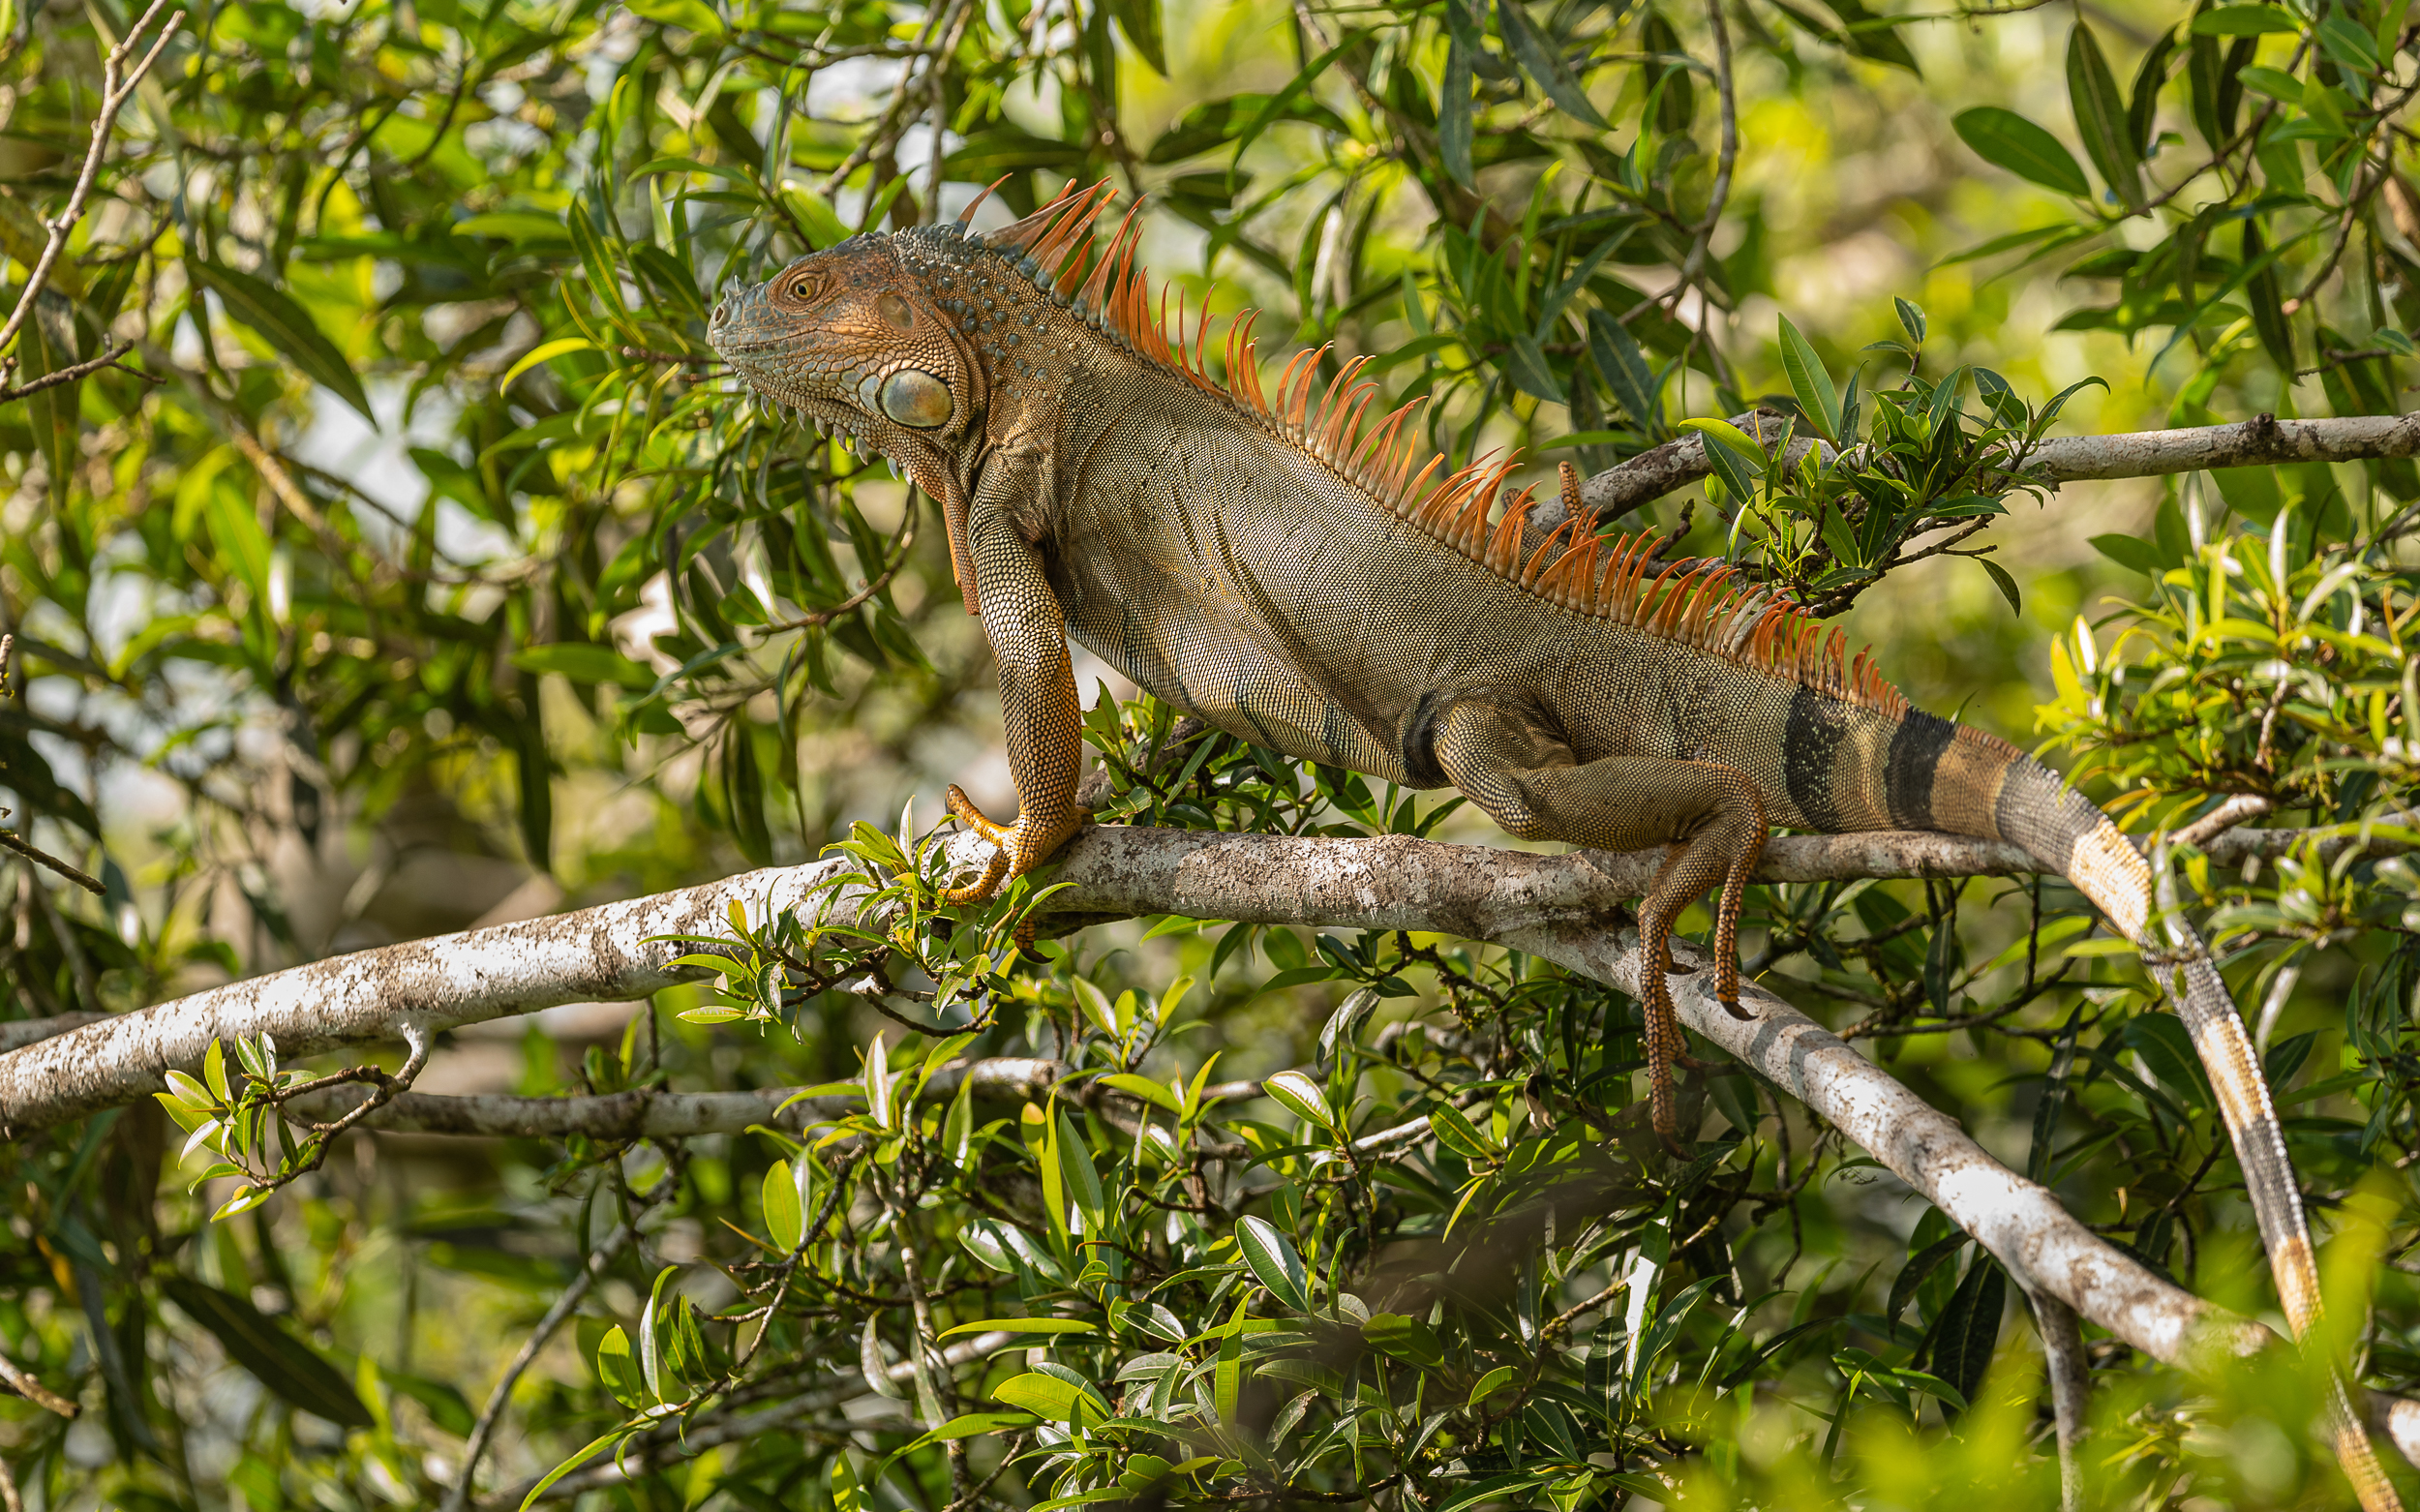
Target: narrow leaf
1809,383
286,326
1538,58
1021,1326
291,1369
785,1221
2006,140
2100,117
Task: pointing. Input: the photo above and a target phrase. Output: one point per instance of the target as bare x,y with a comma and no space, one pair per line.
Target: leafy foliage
419,531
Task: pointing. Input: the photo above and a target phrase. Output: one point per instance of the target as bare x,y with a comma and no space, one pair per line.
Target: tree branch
645,1113
2261,442
606,953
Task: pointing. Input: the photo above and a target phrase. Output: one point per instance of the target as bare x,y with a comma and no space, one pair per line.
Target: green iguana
1268,562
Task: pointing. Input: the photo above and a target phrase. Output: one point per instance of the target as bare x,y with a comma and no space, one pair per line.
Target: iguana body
1270,563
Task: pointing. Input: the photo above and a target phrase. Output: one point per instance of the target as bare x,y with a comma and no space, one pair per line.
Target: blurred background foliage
414,566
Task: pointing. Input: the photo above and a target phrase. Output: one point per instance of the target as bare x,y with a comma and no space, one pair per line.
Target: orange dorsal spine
1701,604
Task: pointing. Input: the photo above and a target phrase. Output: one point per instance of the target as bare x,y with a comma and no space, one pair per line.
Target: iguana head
849,338
899,339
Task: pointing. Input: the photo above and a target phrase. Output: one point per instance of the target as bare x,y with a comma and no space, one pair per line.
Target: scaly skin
1274,569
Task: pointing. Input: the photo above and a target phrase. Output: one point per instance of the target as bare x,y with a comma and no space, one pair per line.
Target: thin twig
25,1385
481,1432
116,87
80,369
35,854
900,543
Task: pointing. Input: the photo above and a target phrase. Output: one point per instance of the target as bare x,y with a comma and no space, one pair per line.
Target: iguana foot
1020,848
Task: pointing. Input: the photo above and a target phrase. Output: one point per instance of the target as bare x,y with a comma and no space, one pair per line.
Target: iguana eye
917,398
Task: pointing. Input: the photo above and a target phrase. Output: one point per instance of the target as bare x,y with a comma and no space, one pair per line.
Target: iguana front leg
1028,635
1526,780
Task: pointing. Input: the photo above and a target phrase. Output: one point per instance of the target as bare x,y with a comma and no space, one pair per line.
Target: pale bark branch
648,1113
2261,442
73,1064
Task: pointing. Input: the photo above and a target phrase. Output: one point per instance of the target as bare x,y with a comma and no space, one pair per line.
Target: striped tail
2062,829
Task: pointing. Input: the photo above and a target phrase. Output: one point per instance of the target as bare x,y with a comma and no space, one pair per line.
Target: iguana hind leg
1037,703
1526,780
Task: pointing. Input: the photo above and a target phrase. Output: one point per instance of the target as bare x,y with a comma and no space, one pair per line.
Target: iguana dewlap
1271,560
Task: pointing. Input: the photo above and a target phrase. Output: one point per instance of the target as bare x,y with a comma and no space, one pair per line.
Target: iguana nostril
917,398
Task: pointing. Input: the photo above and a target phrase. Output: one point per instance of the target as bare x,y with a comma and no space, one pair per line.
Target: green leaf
1045,1396
2130,551
785,1221
543,352
824,226
1454,129
1921,1265
1022,1325
1213,123
972,1424
1911,319
598,665
285,326
743,799
1536,52
578,1457
2006,140
1079,1180
2347,45
1809,383
2243,20
1874,37
289,1368
1145,1088
1526,366
1969,1327
1226,1376
619,1370
2275,84
1405,1338
1271,1258
2142,108
2166,1047
1624,368
2267,300
688,15
521,227
1139,20
2100,117
1491,1383
1301,1097
2005,583
1456,1133
1740,444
